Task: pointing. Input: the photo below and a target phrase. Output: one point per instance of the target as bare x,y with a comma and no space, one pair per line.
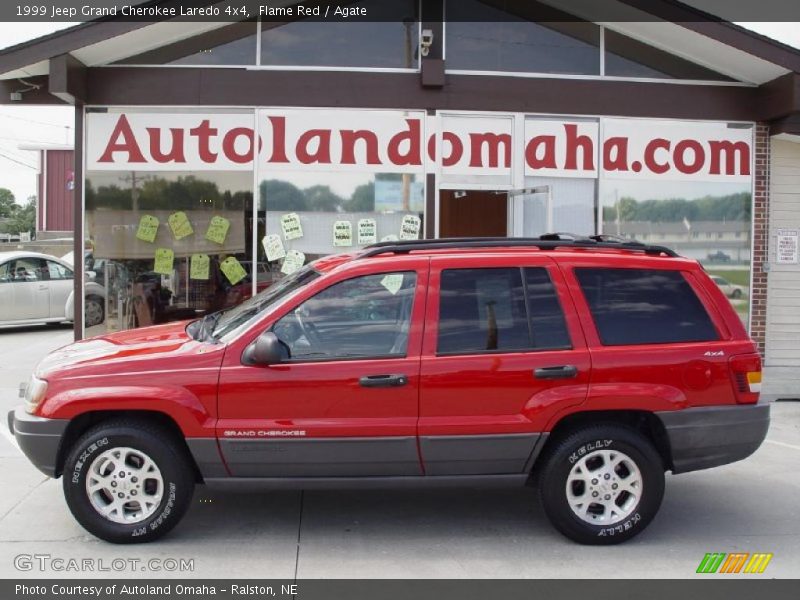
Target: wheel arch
81,423
646,423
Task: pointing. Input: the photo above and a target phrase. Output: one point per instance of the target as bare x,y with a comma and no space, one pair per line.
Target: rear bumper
705,437
38,438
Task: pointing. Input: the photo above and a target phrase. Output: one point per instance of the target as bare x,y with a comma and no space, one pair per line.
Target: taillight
746,373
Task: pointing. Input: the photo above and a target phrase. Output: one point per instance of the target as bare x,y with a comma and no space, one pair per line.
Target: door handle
383,380
561,372
42,286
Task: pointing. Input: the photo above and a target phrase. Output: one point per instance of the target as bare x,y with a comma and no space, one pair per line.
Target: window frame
325,359
530,325
714,318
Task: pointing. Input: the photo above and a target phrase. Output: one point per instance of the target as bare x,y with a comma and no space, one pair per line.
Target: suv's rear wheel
127,482
601,484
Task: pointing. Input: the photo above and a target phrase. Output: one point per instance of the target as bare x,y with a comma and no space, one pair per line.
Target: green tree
8,205
362,200
23,219
281,195
322,198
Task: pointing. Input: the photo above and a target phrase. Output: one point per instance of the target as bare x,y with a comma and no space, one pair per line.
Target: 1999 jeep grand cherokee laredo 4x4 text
587,366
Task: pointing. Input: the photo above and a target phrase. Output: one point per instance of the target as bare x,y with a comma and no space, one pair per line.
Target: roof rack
548,241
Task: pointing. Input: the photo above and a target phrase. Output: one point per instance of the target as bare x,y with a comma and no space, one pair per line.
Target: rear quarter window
644,306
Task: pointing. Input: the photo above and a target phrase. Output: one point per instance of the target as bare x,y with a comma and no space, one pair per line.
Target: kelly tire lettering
601,484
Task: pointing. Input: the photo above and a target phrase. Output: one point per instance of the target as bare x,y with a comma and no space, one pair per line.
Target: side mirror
90,275
266,350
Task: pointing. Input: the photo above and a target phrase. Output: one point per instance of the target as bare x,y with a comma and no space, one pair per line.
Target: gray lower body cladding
396,456
38,438
705,437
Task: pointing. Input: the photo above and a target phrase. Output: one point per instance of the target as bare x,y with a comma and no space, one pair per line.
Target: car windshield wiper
207,323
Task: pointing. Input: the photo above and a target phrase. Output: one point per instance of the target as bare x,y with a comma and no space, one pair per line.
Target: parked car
731,290
38,288
719,257
585,367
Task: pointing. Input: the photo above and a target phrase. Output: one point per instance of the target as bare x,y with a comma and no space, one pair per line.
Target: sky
20,126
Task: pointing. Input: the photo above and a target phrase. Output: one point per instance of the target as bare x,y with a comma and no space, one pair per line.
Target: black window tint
362,317
482,310
641,306
548,329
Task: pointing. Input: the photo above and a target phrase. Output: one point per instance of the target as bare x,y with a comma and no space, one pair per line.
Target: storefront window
626,57
706,216
390,41
333,181
233,44
306,215
481,37
168,213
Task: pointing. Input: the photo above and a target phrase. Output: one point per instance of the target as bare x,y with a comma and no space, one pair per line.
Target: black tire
567,452
736,294
100,307
159,445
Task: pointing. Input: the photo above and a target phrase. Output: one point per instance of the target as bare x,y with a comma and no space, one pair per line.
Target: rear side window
505,310
644,306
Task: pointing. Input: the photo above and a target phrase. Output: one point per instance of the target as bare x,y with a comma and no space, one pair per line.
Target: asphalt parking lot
751,506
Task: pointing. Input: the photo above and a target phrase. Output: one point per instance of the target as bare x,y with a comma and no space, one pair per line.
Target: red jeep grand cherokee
587,366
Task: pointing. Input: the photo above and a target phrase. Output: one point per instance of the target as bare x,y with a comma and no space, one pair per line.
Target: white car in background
731,290
38,288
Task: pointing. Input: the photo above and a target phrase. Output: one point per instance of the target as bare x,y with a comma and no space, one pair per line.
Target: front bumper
705,437
38,438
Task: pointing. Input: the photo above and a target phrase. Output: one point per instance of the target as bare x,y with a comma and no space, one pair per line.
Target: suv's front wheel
601,484
127,481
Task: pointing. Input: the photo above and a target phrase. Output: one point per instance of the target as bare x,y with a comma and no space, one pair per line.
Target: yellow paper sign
179,224
199,266
218,229
164,259
148,228
233,270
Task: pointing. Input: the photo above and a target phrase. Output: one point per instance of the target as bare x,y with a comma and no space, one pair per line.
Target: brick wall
758,294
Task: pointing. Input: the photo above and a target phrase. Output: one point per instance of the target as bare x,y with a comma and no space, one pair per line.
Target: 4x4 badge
712,353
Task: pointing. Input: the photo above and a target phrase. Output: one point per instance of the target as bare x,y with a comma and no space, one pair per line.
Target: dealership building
212,158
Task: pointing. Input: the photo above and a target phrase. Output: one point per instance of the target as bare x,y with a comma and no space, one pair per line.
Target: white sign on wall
786,247
406,142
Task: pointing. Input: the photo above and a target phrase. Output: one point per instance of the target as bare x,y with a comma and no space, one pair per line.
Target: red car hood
120,349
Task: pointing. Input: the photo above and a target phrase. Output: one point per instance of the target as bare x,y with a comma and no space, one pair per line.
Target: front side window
363,317
5,272
28,269
644,306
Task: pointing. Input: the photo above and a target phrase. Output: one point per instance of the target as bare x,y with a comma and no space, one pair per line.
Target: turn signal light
746,373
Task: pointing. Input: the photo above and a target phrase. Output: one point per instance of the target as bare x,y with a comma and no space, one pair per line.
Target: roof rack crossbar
548,243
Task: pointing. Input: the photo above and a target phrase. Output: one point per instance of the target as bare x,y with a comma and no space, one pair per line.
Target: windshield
233,318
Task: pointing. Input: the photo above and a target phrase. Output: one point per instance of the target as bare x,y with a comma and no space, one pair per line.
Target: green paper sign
393,282
293,261
179,224
218,229
233,270
148,228
273,246
164,259
409,228
290,224
342,233
367,232
199,266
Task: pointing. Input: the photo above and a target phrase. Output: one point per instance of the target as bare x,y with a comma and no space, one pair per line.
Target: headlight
34,393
